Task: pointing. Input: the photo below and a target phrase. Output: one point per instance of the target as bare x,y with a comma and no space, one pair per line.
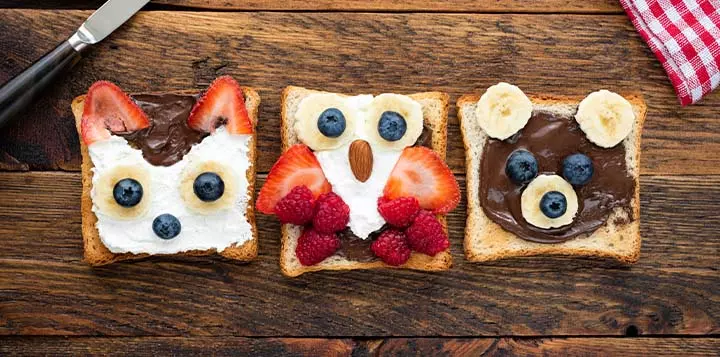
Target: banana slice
103,192
605,117
191,172
306,121
503,110
394,121
533,194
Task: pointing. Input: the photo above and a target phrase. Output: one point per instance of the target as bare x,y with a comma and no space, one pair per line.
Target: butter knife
20,91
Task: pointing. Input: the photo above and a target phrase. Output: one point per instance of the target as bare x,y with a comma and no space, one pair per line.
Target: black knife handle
20,91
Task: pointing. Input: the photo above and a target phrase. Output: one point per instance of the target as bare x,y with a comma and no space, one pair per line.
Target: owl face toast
168,173
551,175
359,184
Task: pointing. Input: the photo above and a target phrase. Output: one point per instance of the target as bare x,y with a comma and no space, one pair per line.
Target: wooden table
50,301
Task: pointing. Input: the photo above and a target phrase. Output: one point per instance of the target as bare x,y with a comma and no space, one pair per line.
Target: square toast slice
485,240
97,254
435,110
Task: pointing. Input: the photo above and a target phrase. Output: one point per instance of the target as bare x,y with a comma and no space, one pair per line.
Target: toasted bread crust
97,254
487,241
435,112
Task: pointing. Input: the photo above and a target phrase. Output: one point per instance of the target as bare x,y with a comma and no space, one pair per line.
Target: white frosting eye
324,122
192,198
393,121
108,192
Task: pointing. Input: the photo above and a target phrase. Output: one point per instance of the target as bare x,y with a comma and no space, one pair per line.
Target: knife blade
20,91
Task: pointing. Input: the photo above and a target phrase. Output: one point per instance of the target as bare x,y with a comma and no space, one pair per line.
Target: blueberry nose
166,226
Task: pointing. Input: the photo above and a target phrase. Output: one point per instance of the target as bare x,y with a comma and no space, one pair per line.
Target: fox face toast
167,174
551,175
362,182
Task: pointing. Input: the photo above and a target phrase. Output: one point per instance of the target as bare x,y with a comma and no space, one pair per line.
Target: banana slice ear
533,194
605,117
105,200
503,110
306,121
197,205
394,104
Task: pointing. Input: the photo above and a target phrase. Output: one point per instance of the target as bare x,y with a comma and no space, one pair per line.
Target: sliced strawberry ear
296,167
108,109
223,103
420,173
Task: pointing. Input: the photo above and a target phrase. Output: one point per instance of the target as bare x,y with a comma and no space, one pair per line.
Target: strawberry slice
296,167
420,173
223,103
108,107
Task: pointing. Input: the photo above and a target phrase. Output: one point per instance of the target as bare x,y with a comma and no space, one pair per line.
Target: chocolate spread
551,138
168,138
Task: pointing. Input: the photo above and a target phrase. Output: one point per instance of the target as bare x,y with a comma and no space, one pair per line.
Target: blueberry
166,226
128,192
577,169
521,167
553,204
331,122
392,126
208,187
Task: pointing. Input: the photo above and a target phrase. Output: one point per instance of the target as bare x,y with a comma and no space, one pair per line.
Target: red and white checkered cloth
685,37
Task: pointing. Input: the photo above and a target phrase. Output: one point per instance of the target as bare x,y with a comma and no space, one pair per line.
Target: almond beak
361,159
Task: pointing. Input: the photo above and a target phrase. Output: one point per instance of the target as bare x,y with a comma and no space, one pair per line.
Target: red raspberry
297,207
426,234
399,212
313,247
331,213
392,247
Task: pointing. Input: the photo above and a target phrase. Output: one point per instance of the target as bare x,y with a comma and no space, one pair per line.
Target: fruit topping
521,167
503,110
331,122
296,167
578,169
321,121
420,173
108,109
223,103
331,213
128,192
426,234
553,204
394,122
605,117
392,126
313,247
166,226
297,207
392,247
208,186
399,212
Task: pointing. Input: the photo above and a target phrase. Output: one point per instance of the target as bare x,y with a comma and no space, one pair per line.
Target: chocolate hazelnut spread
168,138
551,138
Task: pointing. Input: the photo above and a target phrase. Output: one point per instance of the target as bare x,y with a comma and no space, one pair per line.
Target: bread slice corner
485,240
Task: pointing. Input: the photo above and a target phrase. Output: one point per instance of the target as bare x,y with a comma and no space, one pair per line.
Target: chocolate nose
361,159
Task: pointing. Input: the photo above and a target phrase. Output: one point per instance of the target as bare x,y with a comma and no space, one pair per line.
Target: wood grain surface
280,347
355,52
47,290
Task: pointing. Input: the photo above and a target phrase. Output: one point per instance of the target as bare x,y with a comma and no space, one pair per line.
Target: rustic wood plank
520,6
45,288
355,52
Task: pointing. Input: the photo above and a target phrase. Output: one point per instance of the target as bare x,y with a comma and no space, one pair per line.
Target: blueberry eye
166,226
578,169
208,187
521,167
392,126
553,204
128,192
331,123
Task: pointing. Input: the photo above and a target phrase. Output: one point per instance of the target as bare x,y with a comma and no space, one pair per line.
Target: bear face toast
362,182
551,175
169,173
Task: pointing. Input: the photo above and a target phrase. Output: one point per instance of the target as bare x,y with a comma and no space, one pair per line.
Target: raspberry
297,207
313,247
392,247
426,234
331,213
399,212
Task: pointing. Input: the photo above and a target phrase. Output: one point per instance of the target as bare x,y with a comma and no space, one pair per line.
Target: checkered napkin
685,37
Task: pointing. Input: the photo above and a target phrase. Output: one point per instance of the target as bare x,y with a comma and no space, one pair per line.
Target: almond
361,159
